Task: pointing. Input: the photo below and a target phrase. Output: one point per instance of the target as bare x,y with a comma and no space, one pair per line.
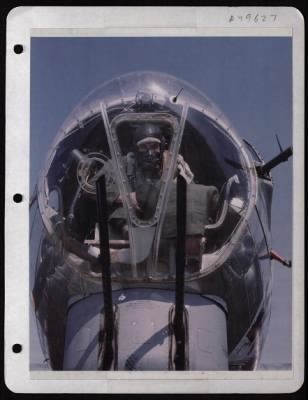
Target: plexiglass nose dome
101,136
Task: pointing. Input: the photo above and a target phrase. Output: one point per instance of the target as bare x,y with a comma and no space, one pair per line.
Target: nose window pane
143,154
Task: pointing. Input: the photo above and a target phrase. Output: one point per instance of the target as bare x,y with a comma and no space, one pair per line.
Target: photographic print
160,203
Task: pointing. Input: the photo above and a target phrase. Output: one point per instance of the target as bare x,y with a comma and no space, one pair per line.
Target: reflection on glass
54,200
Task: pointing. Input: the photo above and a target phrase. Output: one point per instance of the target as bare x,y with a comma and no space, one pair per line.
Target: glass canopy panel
145,144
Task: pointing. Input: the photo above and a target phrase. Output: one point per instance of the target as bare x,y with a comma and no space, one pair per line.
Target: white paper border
24,22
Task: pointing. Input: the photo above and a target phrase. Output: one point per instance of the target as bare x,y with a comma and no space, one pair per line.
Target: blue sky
250,79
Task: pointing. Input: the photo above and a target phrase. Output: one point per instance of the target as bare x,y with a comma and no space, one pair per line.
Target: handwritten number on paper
256,18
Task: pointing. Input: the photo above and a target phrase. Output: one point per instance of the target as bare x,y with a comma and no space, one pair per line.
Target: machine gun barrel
179,329
101,202
283,156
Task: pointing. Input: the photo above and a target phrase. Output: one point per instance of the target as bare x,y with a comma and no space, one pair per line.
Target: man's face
149,148
149,158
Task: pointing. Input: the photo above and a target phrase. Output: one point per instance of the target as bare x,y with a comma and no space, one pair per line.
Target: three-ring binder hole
17,198
18,48
17,348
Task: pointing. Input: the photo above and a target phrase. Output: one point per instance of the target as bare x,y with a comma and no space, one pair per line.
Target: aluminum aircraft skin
150,234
